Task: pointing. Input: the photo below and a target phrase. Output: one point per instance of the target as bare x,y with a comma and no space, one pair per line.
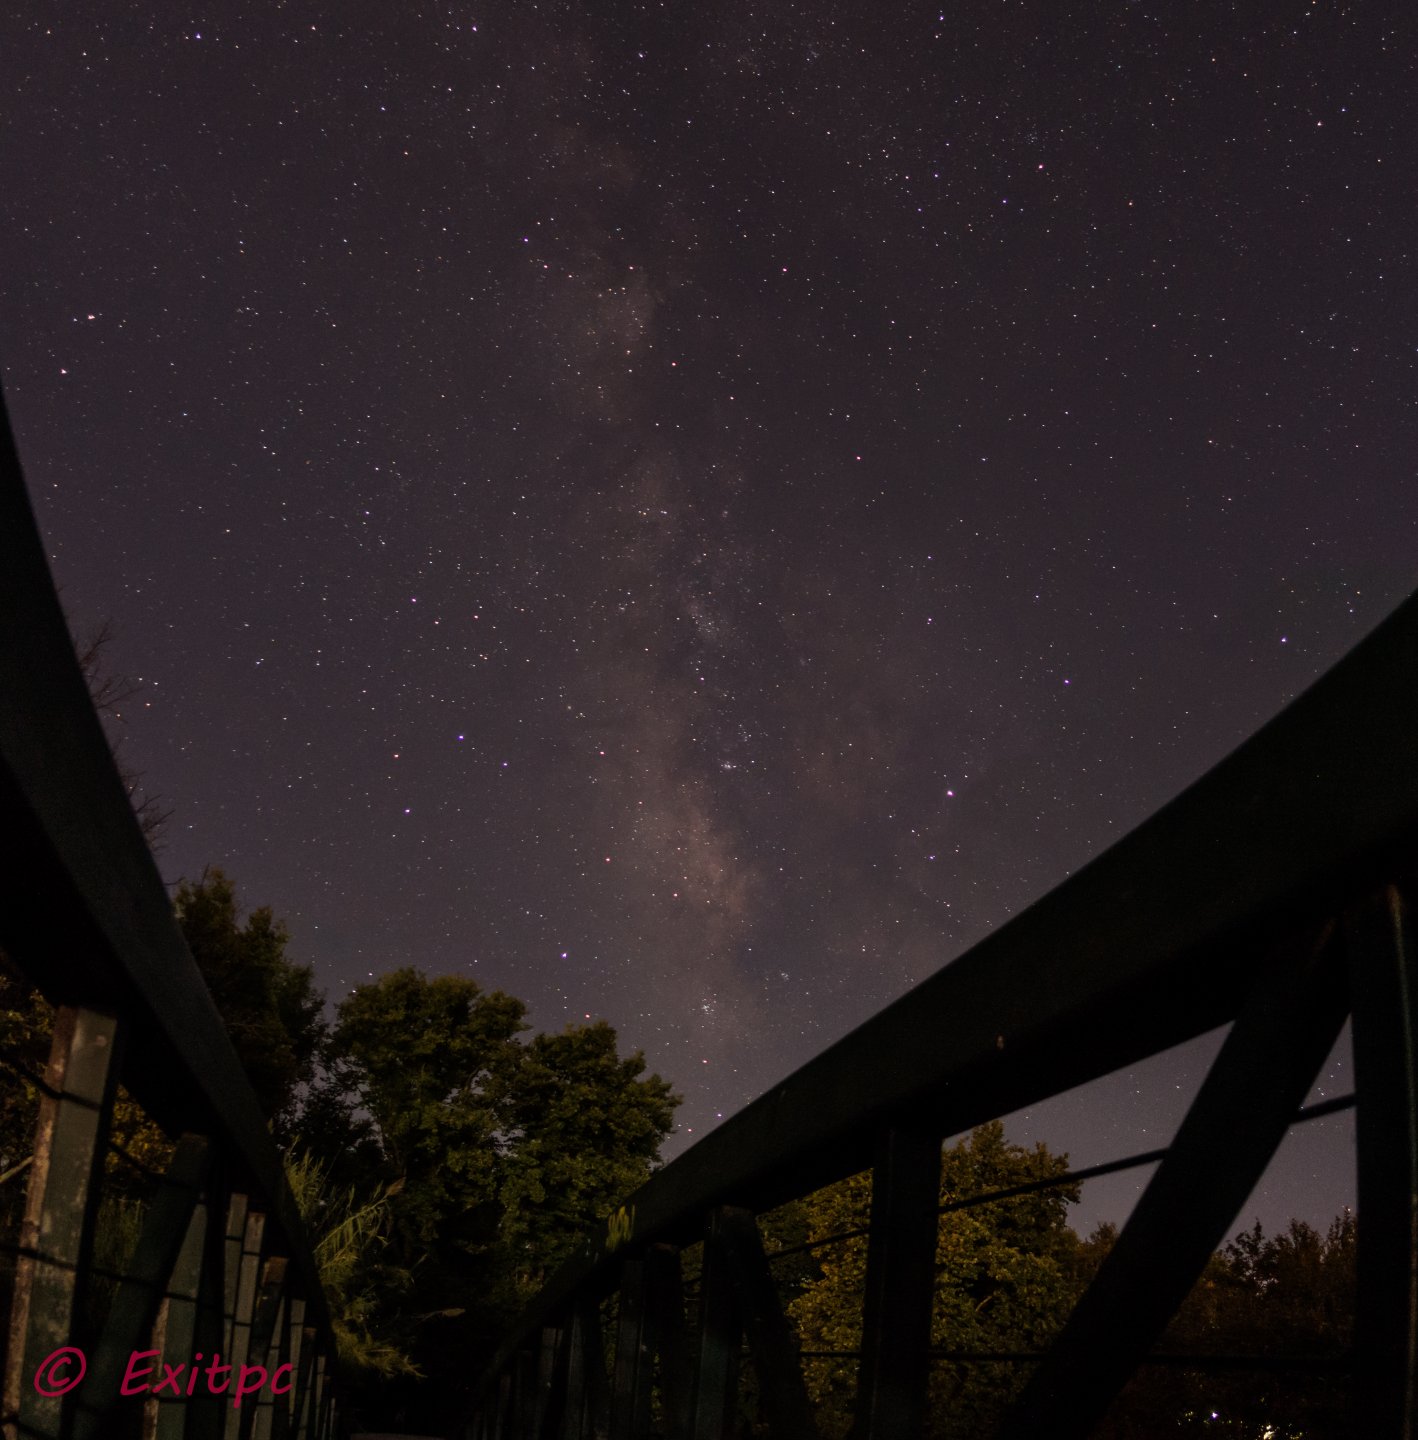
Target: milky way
695,514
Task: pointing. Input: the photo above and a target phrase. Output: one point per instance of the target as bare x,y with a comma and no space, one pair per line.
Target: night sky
694,514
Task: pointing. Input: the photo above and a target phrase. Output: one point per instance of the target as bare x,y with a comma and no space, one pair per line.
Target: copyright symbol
47,1379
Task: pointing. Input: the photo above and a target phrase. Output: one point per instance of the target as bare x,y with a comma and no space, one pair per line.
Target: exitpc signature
62,1370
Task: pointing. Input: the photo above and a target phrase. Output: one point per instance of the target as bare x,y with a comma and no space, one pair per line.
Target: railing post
585,1410
287,1411
302,1405
61,1205
243,1305
135,1307
1384,982
900,1286
265,1423
175,1331
501,1421
664,1284
630,1391
317,1399
263,1339
715,1385
202,1416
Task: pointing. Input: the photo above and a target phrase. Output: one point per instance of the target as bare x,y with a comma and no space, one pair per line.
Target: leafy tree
348,1235
1289,1295
270,1005
1005,1282
507,1150
585,1130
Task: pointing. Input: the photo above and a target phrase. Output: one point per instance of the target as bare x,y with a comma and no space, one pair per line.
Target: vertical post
597,1414
263,1339
501,1426
630,1394
900,1285
665,1298
301,1408
551,1384
204,1418
244,1309
288,1405
584,1362
231,1269
61,1203
134,1312
268,1403
549,1340
1384,985
524,1393
175,1333
715,1386
317,1398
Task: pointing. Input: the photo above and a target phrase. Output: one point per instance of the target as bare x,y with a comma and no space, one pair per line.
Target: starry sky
695,514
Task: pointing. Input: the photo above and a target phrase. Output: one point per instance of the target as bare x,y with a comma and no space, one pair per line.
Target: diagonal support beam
771,1343
1236,1123
1383,963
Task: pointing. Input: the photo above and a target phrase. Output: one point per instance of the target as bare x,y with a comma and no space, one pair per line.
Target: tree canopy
505,1149
1006,1277
270,1004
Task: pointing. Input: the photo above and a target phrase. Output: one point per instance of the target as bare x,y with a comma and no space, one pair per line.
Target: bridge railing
1268,897
222,1266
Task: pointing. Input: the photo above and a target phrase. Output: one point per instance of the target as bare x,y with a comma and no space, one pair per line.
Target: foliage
586,1130
270,1004
506,1149
1289,1295
1005,1281
26,1034
348,1235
